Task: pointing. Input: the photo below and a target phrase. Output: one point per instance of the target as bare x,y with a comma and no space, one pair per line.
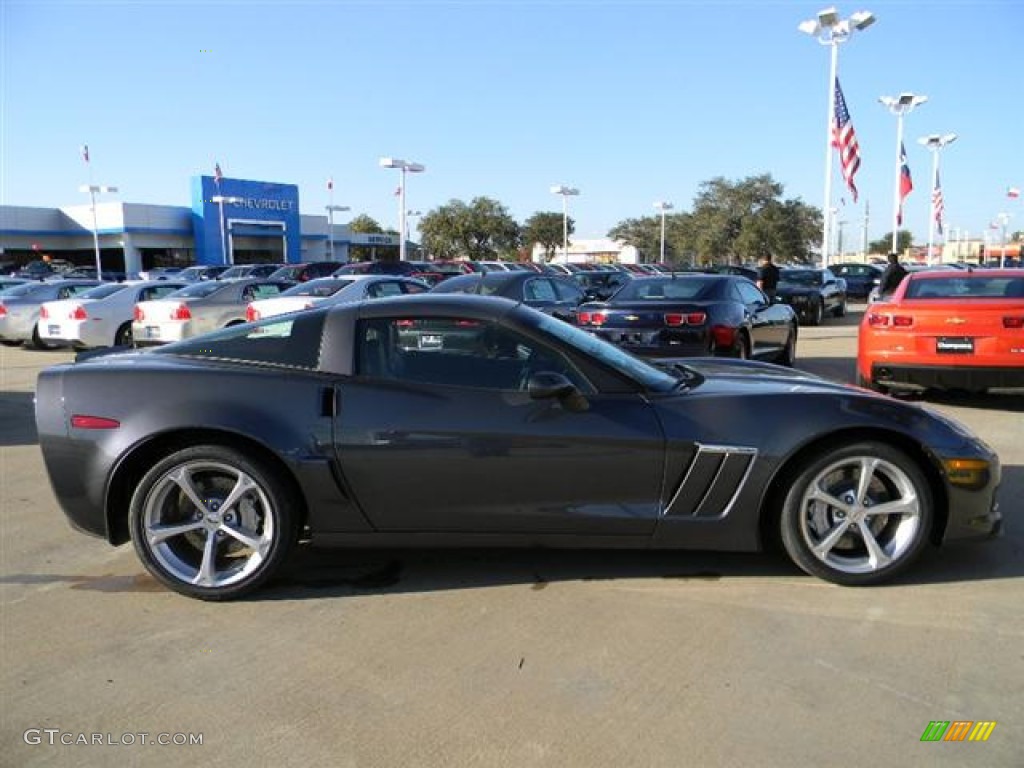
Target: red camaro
961,329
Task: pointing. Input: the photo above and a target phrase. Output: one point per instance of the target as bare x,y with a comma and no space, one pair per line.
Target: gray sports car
214,455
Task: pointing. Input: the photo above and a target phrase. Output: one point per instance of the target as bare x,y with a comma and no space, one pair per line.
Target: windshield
655,379
485,284
800,277
966,286
318,288
25,290
235,272
667,289
196,291
102,291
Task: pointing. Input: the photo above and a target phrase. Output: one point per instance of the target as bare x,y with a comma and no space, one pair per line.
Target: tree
483,229
367,225
904,239
731,221
546,229
364,225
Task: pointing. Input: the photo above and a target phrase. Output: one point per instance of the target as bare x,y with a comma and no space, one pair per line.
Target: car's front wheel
212,523
817,313
787,356
858,514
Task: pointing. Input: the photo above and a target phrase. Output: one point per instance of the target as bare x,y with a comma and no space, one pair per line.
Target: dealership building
233,221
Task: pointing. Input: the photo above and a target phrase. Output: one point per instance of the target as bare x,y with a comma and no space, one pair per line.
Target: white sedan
198,308
100,317
334,290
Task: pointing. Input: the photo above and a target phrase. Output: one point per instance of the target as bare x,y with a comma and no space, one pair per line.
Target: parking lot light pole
93,189
1003,219
830,30
405,167
566,193
934,143
220,200
899,106
330,227
663,206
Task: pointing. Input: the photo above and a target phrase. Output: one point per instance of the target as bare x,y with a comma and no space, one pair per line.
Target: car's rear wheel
211,523
38,343
866,383
788,355
740,346
840,310
123,337
10,343
858,514
817,313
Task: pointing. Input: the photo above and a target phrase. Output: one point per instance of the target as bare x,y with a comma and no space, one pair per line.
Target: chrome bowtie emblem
632,317
955,320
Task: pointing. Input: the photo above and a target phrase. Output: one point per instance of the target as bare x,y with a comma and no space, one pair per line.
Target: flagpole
896,200
826,231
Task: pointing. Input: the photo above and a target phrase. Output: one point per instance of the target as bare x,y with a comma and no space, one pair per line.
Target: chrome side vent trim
712,482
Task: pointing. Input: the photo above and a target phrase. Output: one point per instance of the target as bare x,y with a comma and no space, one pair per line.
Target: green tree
904,239
367,225
643,233
545,228
483,229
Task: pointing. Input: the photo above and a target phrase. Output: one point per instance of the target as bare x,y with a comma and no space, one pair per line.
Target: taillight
674,318
598,318
466,323
251,315
78,313
724,335
878,320
44,313
690,318
79,421
405,323
583,318
139,315
3,310
696,318
1012,321
181,312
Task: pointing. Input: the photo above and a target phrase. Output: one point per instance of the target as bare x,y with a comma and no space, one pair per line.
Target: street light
663,206
565,192
1003,219
93,189
330,227
220,200
404,167
831,30
934,143
899,106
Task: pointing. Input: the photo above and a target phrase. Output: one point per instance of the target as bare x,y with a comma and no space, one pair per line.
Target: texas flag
1012,192
217,173
906,183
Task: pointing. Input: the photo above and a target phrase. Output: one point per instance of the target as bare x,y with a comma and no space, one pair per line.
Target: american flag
938,204
1012,192
217,173
844,137
85,152
906,183
330,185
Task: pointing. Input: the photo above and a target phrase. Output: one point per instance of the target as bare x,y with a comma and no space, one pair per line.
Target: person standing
768,277
892,276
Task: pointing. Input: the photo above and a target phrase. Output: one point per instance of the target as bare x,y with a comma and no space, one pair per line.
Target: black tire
123,337
868,384
840,310
10,343
817,313
740,346
264,513
787,356
844,555
38,343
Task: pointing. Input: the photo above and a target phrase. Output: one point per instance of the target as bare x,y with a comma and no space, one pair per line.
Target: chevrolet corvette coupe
949,329
216,454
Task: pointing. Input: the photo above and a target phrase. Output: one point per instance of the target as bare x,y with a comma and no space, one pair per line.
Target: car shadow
17,419
315,573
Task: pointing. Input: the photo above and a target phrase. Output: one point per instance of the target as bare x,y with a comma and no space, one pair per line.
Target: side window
455,352
567,291
413,288
155,292
248,293
750,294
384,288
539,289
263,291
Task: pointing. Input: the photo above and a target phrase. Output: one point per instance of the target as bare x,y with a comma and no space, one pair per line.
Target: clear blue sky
630,101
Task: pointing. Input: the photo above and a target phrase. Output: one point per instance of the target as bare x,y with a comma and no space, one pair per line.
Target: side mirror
548,385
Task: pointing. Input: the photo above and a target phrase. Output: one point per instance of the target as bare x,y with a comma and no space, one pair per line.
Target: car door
442,436
767,333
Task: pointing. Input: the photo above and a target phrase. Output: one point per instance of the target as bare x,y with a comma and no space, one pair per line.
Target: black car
860,278
735,269
213,455
812,293
694,314
602,285
557,296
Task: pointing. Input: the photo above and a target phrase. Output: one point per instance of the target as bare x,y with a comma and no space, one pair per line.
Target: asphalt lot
487,658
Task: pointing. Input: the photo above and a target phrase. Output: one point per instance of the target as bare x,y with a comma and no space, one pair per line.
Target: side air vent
712,482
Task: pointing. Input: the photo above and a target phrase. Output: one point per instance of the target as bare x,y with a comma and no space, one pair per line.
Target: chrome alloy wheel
860,514
208,524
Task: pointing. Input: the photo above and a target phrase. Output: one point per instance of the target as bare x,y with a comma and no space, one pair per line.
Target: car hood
723,374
